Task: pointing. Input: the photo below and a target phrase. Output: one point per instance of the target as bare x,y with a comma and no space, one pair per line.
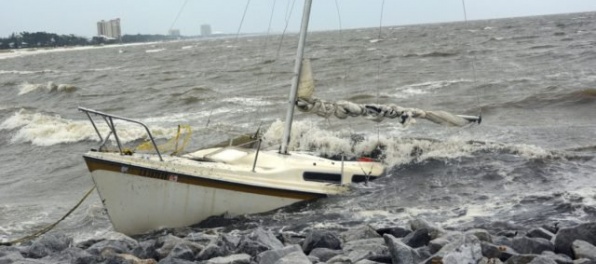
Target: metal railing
109,119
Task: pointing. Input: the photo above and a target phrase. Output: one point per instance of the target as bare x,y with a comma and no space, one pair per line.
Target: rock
321,239
212,251
324,254
201,238
71,255
418,238
466,247
9,254
165,244
584,261
370,248
540,232
368,261
481,234
375,245
433,230
272,256
436,244
386,258
490,261
558,258
146,250
222,245
528,245
394,231
185,251
296,257
47,244
169,260
583,249
400,252
521,259
543,259
232,259
117,246
258,241
360,232
490,251
565,237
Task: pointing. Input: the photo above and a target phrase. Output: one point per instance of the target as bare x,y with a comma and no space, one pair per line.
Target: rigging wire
474,74
378,78
178,15
262,56
235,50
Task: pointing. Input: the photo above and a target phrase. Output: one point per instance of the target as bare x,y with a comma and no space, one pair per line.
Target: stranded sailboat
142,192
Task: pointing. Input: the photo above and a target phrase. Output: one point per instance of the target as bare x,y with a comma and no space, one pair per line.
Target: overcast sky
79,17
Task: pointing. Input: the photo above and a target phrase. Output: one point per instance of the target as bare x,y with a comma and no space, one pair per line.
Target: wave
433,54
26,87
154,50
584,96
44,129
398,151
27,72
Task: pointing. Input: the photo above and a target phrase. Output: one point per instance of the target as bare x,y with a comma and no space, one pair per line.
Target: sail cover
377,112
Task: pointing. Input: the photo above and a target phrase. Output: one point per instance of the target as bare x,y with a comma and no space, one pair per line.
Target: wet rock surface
419,242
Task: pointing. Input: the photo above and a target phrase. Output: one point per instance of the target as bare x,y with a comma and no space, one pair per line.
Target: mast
285,140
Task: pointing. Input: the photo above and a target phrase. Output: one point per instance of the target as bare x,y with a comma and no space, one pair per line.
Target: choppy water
530,162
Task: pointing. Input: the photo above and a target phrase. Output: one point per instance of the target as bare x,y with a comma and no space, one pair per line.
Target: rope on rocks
49,227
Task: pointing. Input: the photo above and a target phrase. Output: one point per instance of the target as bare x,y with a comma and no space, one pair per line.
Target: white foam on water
154,50
27,72
248,101
26,87
43,129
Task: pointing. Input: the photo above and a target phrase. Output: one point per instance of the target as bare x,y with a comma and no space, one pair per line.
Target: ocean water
531,161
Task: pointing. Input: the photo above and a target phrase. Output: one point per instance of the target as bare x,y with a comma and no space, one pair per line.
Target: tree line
44,40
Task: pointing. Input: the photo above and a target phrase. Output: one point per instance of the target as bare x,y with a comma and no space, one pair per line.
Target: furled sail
377,112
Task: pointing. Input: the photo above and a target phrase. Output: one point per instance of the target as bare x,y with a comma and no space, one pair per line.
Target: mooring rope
50,227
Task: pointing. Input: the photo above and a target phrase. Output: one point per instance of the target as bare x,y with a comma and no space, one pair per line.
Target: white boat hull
143,193
139,204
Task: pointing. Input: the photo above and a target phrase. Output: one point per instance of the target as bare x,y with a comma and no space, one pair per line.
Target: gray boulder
565,237
259,240
232,259
583,249
400,252
466,247
272,256
394,231
48,244
418,238
296,257
540,232
433,230
360,232
529,245
324,254
321,239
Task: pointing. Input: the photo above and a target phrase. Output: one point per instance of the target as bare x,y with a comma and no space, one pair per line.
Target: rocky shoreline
419,242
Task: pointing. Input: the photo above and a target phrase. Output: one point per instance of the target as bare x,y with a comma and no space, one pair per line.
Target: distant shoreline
15,53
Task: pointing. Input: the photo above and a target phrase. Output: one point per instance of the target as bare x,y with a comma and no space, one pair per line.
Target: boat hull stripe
98,164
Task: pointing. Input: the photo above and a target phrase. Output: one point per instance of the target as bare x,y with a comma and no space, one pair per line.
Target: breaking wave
44,129
26,87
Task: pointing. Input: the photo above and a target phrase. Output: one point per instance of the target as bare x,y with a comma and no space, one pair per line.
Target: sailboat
147,191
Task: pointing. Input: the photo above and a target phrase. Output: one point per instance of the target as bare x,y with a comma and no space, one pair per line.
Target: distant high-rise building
174,32
206,30
110,29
